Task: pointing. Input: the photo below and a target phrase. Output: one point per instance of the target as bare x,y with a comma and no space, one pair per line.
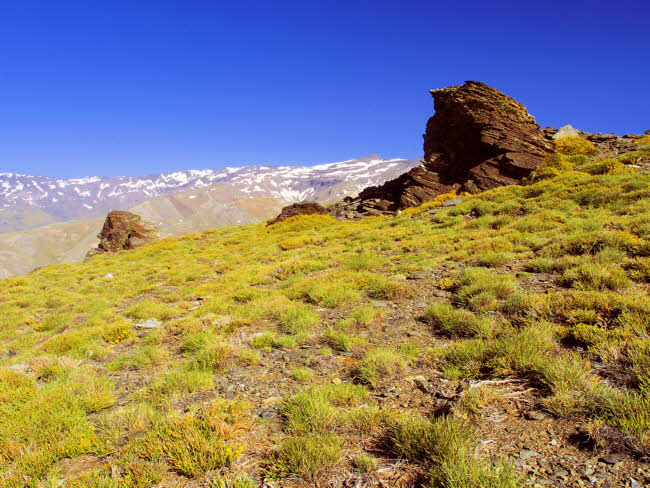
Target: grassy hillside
174,215
431,348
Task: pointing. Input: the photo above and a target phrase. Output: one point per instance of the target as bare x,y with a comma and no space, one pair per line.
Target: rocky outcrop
567,130
124,230
478,139
478,134
607,144
300,208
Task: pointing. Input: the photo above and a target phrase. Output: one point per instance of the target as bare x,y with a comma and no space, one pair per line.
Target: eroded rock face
124,230
300,208
478,139
480,134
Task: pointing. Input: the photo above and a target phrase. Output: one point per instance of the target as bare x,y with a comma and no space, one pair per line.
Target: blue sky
139,87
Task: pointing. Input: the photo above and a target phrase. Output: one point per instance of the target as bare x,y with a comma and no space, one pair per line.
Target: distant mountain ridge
32,201
48,220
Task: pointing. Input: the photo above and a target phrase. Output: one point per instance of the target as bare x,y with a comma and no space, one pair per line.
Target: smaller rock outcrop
567,130
607,144
300,208
124,230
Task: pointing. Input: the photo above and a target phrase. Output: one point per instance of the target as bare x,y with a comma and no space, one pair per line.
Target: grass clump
76,343
298,319
457,322
56,321
474,400
302,374
639,269
364,463
181,382
339,296
147,309
309,418
198,441
362,261
479,290
215,356
418,439
305,456
367,419
364,314
51,368
146,357
626,411
638,353
596,276
195,342
449,446
382,288
238,482
41,424
494,259
314,411
269,340
380,364
340,341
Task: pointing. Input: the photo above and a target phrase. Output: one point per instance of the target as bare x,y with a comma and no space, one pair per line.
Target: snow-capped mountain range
46,220
32,201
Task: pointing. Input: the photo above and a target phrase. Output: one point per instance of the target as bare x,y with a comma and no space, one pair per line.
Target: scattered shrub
117,332
574,145
603,166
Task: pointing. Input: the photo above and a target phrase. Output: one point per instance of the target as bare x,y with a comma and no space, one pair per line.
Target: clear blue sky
137,87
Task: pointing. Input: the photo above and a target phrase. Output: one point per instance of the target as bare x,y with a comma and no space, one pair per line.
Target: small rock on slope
300,208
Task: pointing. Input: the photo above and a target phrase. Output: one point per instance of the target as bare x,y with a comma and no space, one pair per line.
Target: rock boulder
300,208
124,230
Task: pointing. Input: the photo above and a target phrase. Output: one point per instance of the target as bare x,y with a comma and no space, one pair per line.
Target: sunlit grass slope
78,377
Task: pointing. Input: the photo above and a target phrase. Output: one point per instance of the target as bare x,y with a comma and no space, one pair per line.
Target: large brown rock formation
478,139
